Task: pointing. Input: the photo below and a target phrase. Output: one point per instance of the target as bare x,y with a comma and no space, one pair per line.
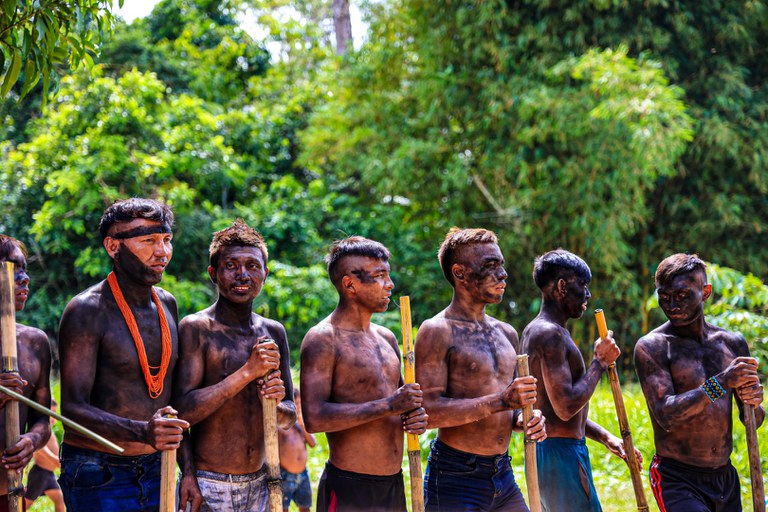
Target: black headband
142,231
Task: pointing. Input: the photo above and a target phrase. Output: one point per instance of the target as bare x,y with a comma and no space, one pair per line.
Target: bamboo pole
272,450
414,448
755,469
168,478
10,364
531,468
621,413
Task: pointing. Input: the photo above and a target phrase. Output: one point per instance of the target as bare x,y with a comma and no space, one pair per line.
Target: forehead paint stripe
142,231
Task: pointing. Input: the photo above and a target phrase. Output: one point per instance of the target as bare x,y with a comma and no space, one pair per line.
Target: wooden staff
272,450
168,478
414,448
621,413
10,364
755,469
531,468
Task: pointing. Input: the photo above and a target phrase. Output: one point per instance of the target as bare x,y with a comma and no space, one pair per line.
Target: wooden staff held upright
621,413
168,479
10,364
755,468
414,448
531,468
272,450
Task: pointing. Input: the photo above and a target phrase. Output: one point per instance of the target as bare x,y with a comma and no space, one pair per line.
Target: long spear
621,413
414,448
531,468
755,469
10,364
272,450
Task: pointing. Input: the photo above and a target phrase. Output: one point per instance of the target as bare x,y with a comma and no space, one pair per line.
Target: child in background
41,479
293,461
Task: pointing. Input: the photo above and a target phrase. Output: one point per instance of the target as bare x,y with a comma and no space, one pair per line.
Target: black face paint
364,276
142,231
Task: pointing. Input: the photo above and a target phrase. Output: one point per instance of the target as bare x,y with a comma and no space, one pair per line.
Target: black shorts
344,491
39,480
677,486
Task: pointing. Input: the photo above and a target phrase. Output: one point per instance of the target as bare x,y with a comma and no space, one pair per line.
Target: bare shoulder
275,328
509,331
34,338
735,341
84,313
436,330
321,337
166,298
654,341
384,333
541,334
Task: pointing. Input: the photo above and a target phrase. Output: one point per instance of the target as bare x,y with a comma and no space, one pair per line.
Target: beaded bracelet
713,389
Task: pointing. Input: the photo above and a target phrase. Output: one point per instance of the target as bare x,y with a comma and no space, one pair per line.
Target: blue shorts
679,486
98,481
565,476
296,488
460,481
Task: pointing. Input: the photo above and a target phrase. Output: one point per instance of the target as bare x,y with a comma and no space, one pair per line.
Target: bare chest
479,357
366,368
690,363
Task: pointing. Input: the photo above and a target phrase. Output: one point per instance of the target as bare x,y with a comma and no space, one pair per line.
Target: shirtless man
690,371
221,378
32,381
555,360
116,380
352,388
466,363
293,462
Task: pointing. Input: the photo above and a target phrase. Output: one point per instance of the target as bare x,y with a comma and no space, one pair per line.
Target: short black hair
559,264
126,210
353,246
455,239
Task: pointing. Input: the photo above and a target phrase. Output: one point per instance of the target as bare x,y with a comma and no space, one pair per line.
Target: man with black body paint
116,366
690,372
221,377
352,388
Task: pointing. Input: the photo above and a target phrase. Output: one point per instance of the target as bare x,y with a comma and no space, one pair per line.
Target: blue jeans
296,488
461,481
97,481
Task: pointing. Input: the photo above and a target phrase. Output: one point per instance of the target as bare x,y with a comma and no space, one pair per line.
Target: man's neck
465,307
552,311
696,330
136,294
351,316
232,313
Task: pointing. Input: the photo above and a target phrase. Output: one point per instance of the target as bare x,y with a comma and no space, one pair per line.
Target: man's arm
751,394
196,403
38,426
286,409
323,415
567,397
432,344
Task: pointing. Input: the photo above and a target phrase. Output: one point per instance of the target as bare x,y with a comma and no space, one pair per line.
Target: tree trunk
342,24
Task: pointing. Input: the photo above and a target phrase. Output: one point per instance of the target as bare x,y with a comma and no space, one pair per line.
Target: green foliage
43,35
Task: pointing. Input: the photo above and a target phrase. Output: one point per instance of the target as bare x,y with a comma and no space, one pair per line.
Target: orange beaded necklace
154,382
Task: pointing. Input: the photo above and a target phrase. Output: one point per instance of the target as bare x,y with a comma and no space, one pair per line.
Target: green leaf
31,76
12,75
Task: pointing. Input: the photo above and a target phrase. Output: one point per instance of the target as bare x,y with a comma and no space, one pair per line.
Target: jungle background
622,131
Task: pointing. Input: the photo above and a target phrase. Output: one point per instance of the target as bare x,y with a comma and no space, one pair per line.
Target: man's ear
561,287
212,274
707,291
111,245
457,271
347,284
266,273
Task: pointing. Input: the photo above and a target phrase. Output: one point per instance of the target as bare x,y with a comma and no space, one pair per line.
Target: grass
611,475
